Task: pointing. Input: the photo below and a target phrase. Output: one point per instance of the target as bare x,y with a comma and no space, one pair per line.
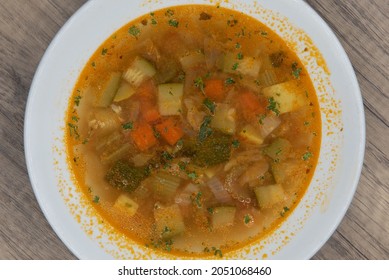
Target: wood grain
26,29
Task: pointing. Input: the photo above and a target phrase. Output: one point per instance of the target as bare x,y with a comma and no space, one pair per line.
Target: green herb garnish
236,143
247,219
104,51
210,105
77,100
296,70
218,253
169,13
166,156
96,199
261,118
273,106
284,210
134,31
230,81
173,22
307,156
73,130
199,83
205,130
129,125
192,175
239,56
235,66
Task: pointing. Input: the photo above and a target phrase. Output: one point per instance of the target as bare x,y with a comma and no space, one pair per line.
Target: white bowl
336,176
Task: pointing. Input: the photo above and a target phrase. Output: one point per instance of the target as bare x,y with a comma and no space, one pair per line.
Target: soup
193,130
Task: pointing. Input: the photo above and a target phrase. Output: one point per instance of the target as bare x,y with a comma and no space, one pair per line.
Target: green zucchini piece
223,216
168,221
269,195
278,149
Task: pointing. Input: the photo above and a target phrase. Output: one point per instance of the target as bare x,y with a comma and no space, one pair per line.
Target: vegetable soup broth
194,130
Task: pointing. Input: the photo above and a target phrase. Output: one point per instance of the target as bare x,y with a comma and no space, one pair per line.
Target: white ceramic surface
331,189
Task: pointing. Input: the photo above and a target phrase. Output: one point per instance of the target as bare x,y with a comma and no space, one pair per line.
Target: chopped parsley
306,123
232,22
134,31
73,130
261,118
218,253
236,143
93,64
235,66
247,219
153,21
173,22
77,100
296,70
307,156
230,81
96,199
210,105
263,33
166,156
169,13
192,175
199,83
210,210
237,46
197,199
205,130
104,51
182,165
273,106
239,56
284,210
74,118
129,125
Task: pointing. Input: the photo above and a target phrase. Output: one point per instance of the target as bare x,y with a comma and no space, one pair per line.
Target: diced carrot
251,105
214,89
143,136
149,112
170,130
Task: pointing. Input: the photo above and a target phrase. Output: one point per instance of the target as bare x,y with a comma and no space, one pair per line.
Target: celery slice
109,90
165,186
139,71
124,92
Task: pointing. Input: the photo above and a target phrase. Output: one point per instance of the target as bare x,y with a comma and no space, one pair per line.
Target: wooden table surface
26,29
